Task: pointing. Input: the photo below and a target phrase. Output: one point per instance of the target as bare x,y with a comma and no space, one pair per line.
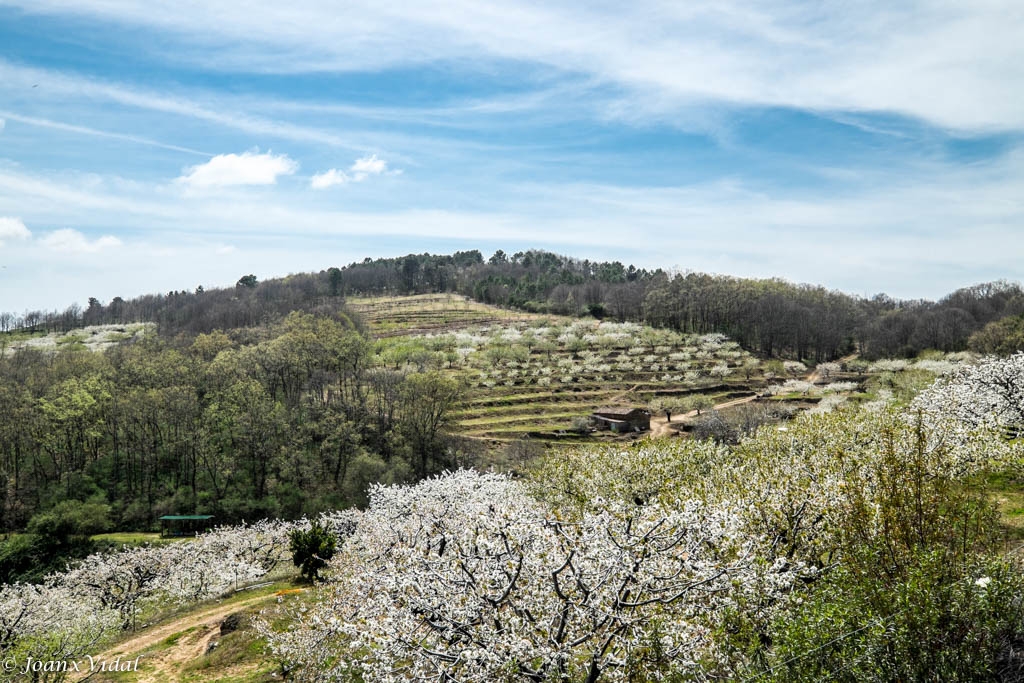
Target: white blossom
988,393
467,577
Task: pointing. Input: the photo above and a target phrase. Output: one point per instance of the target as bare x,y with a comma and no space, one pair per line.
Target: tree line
279,421
250,303
772,317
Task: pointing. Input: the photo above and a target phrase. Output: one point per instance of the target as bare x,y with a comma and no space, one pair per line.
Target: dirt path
660,427
815,376
195,631
615,399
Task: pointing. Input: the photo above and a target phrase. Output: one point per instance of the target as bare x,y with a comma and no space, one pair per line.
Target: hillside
769,317
868,538
537,376
297,416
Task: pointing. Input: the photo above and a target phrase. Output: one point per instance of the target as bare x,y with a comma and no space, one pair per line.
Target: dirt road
195,631
815,376
660,427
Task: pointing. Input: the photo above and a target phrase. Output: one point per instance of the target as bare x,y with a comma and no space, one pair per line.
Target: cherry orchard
615,564
467,576
72,611
607,565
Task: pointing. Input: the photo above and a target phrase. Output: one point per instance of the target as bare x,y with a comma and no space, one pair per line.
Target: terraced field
552,415
428,313
546,394
541,376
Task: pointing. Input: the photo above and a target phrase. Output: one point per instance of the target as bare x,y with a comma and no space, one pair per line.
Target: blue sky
161,145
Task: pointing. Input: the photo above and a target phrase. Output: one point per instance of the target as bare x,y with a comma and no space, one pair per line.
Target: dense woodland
276,422
769,317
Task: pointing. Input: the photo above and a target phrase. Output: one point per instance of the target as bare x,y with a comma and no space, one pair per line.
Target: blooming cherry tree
468,577
988,393
50,622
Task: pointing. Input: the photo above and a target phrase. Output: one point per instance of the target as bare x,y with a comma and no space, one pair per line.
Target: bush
942,622
311,549
70,519
581,425
20,559
365,469
1000,337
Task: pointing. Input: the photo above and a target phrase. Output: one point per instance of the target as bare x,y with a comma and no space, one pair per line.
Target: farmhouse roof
617,410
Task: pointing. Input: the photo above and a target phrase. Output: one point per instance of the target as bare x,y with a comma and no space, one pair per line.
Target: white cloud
909,234
73,241
12,229
322,181
360,170
3,124
249,168
367,166
236,113
212,109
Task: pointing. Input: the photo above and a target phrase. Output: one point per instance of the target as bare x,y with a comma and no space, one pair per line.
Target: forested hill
250,303
771,317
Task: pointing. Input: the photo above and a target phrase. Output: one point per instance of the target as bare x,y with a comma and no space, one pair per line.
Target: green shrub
311,549
70,518
943,622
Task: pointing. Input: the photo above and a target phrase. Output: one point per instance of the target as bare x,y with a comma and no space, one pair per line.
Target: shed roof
618,410
612,420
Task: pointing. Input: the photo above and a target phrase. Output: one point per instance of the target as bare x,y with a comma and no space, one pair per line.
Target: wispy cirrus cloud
65,85
248,168
834,56
259,117
85,130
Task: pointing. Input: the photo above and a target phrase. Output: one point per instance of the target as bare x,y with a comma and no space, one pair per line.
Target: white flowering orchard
72,611
612,565
468,577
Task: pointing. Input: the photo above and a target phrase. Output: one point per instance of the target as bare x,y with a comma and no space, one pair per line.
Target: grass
237,656
520,417
1007,491
21,335
240,656
135,538
423,313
